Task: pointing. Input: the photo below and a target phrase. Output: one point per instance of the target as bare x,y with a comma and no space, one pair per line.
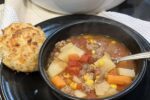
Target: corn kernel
86,77
73,85
98,76
66,75
101,62
93,51
91,41
113,42
113,86
88,37
89,82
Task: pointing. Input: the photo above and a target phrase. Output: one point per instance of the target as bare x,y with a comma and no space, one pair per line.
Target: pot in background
105,27
77,6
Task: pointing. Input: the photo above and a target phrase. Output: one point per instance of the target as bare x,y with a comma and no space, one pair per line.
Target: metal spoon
133,57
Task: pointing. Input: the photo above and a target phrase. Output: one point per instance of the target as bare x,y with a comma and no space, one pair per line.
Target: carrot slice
120,80
58,81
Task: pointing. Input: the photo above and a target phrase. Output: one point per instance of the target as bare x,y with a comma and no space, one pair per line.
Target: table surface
136,8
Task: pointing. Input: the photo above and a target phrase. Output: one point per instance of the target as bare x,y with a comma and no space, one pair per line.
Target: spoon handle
134,57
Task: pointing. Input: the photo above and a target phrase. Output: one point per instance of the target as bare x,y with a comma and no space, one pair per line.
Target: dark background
1,1
136,8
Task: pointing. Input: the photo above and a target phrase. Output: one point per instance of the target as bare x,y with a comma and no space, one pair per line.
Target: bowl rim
125,28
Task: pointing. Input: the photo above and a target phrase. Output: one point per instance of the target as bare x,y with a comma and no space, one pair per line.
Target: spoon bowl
95,27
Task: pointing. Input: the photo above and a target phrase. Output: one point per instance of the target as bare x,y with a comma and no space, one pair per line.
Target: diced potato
70,49
56,67
111,91
66,47
126,72
101,88
79,94
105,62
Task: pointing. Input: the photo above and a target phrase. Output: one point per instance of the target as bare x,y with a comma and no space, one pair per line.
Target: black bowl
102,26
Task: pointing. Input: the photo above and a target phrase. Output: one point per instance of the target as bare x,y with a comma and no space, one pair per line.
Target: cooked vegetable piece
68,50
73,57
79,94
101,88
66,47
126,72
73,85
87,76
89,82
120,80
83,71
58,81
113,86
74,63
86,57
76,79
56,67
105,62
73,70
111,91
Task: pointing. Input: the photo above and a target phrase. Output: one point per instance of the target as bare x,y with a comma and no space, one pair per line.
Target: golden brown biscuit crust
20,45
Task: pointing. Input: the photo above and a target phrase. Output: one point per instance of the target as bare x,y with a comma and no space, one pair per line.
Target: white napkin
25,11
141,26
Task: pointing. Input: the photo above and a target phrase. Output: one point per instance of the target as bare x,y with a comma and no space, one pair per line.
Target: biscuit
20,45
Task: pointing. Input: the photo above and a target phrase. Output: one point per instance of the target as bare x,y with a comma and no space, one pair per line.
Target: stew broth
82,66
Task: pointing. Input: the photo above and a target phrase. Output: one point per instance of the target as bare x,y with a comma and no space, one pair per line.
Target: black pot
105,27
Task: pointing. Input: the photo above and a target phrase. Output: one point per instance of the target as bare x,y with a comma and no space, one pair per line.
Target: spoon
133,57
